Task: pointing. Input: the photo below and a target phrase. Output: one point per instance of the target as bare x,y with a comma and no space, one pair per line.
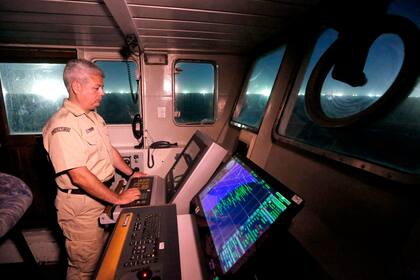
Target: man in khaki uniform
78,145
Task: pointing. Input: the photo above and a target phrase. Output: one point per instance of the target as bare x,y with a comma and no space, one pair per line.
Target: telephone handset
137,129
162,144
157,145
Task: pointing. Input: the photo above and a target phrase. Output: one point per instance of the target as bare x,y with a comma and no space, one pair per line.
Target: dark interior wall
28,162
357,225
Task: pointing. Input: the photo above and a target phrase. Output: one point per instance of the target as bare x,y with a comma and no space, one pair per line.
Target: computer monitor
192,169
235,210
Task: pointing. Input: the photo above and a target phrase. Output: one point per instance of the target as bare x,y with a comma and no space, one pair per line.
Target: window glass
340,100
118,106
299,118
32,92
195,92
252,103
391,141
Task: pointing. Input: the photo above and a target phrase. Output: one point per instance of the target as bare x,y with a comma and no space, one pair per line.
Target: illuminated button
144,274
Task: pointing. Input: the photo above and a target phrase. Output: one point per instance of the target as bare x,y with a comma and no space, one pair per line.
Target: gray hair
78,70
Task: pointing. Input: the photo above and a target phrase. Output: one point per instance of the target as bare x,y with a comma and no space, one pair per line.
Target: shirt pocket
91,136
95,148
91,139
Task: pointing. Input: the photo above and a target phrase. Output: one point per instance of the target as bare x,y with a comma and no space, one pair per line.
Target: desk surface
15,199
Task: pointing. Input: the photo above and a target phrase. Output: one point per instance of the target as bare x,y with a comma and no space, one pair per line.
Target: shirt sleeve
66,149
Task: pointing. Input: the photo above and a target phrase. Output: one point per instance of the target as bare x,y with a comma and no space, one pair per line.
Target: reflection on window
184,162
117,106
32,92
252,103
392,141
340,100
194,92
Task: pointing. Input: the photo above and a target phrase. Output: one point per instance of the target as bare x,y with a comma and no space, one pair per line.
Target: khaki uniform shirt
74,138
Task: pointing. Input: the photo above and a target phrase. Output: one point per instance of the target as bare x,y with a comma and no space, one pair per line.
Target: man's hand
138,174
128,196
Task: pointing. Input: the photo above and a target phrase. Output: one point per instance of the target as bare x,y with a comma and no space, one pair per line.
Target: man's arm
83,178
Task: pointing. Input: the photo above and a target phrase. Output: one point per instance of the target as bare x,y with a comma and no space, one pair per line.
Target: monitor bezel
211,263
198,138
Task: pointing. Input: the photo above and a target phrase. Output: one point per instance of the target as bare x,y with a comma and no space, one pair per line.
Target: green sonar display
239,207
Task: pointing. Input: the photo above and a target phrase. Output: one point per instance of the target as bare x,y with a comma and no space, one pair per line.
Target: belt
82,191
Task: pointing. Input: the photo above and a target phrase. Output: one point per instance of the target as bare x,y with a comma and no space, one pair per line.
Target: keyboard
145,186
143,245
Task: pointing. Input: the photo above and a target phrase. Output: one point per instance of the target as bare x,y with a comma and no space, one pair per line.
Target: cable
134,97
150,158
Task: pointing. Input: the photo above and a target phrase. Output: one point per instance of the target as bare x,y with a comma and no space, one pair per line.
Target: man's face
91,92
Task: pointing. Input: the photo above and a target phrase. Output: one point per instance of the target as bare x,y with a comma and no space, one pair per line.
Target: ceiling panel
52,19
228,26
198,26
267,8
204,16
55,7
171,44
60,28
59,38
230,36
58,22
182,23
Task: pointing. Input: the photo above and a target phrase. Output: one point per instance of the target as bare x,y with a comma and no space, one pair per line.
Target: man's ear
76,87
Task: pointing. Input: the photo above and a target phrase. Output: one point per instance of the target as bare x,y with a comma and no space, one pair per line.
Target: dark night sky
194,78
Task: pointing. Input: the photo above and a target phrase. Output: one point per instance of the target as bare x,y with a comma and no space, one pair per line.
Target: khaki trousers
78,218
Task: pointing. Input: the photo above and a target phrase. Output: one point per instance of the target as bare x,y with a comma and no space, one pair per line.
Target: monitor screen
236,208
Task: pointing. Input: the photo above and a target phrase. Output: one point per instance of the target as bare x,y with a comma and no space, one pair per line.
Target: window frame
245,86
28,55
285,112
391,97
215,93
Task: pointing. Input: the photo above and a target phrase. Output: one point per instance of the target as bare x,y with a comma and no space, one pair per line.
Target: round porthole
333,108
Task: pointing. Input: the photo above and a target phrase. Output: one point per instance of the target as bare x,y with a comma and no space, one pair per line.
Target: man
78,145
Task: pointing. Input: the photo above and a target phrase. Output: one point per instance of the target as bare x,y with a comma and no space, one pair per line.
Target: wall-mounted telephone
137,129
162,145
157,145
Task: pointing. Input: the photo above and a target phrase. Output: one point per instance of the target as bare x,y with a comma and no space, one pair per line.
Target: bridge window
250,108
121,102
341,127
32,92
194,92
